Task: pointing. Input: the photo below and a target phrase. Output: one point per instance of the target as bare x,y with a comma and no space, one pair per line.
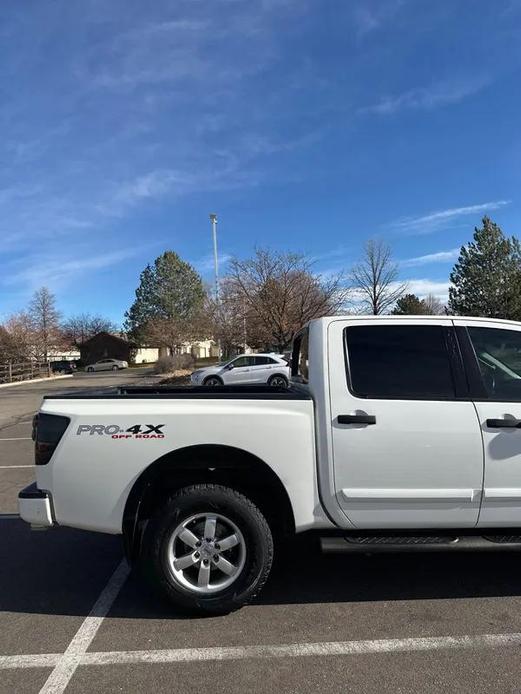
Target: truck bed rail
189,393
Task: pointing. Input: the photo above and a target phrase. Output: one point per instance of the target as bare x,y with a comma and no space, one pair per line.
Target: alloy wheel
206,553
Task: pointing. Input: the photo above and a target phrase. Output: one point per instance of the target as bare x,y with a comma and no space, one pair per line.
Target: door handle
504,423
356,419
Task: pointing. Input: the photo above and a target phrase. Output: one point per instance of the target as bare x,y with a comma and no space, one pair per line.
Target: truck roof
330,319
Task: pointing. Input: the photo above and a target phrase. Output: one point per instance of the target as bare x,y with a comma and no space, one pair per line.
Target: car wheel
209,549
212,381
278,381
90,369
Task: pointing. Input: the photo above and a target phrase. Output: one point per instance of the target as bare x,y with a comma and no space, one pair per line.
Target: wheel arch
211,463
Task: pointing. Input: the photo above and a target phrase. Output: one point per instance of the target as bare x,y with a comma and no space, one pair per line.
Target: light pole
213,220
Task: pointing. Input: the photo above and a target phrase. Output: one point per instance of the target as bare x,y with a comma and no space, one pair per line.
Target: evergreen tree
486,279
169,291
409,305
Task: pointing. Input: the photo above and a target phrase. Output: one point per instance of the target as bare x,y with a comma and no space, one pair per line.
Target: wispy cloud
434,220
175,183
439,257
368,19
205,265
423,287
55,272
427,98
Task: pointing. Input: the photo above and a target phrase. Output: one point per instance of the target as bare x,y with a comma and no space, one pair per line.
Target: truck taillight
47,432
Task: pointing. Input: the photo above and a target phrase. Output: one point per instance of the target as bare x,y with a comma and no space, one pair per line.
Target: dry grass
179,377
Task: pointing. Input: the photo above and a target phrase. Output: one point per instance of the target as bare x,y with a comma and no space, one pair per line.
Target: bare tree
433,305
280,294
83,326
228,318
20,329
375,278
173,332
9,349
45,320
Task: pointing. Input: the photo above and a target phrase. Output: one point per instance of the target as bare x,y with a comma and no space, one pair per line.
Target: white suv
246,369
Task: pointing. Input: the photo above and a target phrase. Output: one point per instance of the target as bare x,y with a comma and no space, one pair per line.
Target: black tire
258,542
272,381
213,381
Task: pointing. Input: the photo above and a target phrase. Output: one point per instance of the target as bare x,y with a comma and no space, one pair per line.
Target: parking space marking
299,650
66,663
69,661
14,467
10,662
18,438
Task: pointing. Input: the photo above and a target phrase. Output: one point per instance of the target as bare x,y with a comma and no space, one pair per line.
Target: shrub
174,362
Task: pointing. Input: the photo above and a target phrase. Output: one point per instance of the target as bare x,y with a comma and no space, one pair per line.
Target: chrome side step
369,544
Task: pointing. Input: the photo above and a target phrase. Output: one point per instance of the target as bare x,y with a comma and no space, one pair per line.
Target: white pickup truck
397,433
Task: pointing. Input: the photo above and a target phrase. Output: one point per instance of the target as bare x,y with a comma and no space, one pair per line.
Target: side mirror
230,367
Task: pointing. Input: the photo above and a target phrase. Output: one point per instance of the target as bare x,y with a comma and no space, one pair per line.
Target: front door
240,371
407,448
497,350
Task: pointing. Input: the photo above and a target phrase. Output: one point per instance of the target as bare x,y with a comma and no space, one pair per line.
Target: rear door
261,369
407,449
493,358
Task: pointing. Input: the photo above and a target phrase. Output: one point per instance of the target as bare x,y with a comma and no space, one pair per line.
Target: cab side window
399,362
498,353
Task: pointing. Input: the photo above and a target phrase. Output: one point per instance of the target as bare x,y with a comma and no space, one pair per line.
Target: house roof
110,336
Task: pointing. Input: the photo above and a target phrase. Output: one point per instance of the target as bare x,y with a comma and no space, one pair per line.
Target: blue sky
307,125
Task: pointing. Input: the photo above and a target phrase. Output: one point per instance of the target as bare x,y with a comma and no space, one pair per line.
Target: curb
35,380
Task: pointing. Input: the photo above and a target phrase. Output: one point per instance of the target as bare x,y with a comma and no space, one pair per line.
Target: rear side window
300,357
261,361
399,361
498,353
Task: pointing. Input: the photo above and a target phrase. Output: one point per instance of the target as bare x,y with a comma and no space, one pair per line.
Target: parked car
63,367
107,365
397,434
246,369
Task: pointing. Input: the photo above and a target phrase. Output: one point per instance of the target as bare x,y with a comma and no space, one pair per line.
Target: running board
419,543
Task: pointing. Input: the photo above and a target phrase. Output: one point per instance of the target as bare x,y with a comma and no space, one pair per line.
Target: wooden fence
12,373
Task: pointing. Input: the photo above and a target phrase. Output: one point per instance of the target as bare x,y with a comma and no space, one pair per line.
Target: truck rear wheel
209,549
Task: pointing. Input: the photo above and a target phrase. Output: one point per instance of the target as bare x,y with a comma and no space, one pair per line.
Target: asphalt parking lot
73,619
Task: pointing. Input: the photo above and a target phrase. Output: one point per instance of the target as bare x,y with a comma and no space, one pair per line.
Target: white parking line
18,438
8,662
67,663
7,467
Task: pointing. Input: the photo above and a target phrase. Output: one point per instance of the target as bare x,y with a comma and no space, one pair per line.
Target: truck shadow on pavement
62,572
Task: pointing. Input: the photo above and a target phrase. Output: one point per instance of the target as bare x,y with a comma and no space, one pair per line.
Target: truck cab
419,418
